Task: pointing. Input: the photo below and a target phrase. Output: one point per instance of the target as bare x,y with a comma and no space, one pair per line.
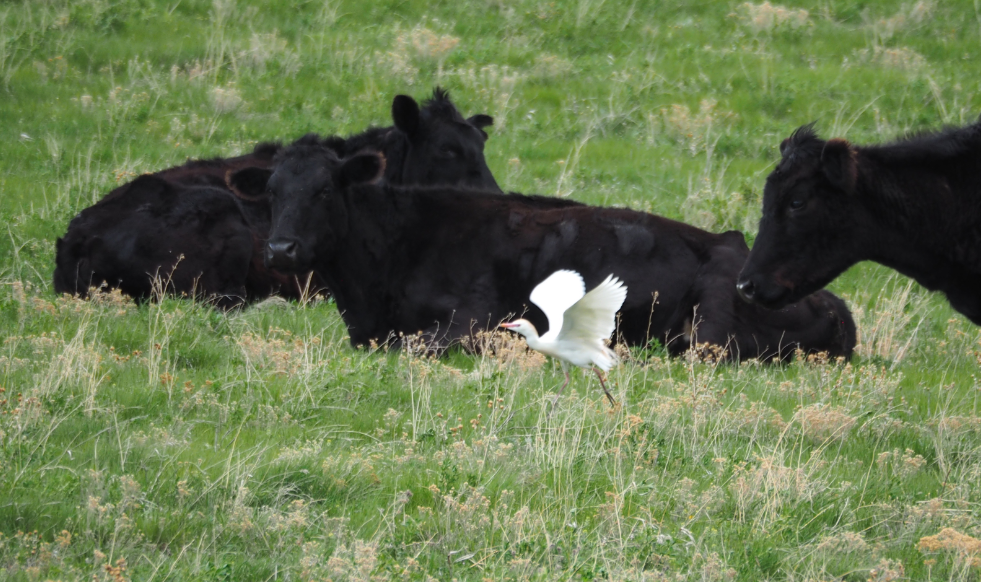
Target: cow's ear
248,183
736,238
480,121
405,114
783,147
839,165
360,169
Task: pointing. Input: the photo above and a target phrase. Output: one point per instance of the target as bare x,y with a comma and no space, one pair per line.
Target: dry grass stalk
766,17
822,423
966,550
504,349
890,327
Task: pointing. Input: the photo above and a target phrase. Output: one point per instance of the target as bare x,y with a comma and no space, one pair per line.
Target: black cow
164,227
142,228
446,262
913,205
192,238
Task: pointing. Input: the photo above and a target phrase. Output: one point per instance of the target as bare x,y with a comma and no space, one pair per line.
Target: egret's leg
564,384
603,384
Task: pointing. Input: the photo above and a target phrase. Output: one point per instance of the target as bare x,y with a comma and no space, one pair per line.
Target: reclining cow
447,262
184,226
913,205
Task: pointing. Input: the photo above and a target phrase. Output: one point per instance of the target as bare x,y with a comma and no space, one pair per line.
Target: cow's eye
797,204
448,152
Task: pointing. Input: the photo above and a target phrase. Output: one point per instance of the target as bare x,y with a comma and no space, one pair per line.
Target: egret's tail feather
606,359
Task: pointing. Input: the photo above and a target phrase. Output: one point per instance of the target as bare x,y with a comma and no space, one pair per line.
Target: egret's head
522,326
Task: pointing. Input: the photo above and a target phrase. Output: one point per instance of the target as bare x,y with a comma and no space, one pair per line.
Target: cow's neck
361,268
919,224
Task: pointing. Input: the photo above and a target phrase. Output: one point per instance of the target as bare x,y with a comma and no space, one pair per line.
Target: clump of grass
493,87
889,327
763,487
566,184
551,66
824,423
226,99
846,542
502,350
962,549
767,18
267,48
698,132
908,16
419,47
712,203
900,58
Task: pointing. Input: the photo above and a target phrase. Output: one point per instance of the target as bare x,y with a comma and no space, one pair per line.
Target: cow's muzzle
762,291
281,254
746,289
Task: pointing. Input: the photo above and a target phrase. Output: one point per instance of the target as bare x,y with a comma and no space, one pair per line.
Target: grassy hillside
171,441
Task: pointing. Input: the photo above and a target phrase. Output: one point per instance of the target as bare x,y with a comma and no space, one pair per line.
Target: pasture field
172,441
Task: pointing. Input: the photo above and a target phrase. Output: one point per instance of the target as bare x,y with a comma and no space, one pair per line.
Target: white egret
578,323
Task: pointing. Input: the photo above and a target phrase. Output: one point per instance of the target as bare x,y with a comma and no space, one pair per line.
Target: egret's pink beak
509,325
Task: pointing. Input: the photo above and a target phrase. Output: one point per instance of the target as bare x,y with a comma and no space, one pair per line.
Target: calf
186,239
432,144
447,262
913,205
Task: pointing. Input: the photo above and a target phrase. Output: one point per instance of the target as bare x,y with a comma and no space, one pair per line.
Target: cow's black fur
434,136
913,205
193,238
448,262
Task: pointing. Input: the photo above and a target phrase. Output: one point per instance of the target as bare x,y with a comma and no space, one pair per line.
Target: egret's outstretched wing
556,294
593,318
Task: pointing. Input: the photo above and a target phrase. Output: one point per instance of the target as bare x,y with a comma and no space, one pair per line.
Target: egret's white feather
560,291
593,318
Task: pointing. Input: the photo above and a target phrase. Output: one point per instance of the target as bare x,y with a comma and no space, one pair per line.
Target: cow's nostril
746,289
281,252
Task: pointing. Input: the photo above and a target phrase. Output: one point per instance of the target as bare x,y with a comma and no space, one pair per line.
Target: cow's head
437,145
810,221
303,191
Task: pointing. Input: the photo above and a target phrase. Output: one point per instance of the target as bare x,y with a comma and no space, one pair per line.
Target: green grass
173,441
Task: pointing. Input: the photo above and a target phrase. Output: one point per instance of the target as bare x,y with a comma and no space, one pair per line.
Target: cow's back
479,257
